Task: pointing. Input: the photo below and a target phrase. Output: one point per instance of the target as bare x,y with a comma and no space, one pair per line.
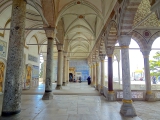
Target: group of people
72,79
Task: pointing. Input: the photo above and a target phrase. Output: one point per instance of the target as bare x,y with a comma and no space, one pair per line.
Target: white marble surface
80,107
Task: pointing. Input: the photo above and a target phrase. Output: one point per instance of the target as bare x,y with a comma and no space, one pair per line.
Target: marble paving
80,107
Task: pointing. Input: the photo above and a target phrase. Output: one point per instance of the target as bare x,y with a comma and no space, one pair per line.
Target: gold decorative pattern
142,12
97,64
2,67
149,92
127,101
28,80
124,47
111,92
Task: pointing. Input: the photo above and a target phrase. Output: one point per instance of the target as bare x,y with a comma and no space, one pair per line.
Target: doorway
70,77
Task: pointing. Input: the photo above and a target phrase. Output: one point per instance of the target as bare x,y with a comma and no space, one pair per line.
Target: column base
101,91
93,85
111,96
96,87
150,97
47,96
58,87
5,114
128,110
64,84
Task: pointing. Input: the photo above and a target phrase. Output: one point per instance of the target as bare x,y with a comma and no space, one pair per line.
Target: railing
136,94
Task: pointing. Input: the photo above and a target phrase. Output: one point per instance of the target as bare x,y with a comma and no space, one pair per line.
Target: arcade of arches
68,33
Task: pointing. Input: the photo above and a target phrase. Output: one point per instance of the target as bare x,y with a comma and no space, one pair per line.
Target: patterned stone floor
80,107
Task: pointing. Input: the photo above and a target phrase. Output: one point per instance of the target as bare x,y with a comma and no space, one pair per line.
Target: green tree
155,65
41,70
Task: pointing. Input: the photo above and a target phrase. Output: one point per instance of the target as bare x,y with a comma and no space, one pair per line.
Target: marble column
48,95
119,78
91,74
102,74
67,70
89,69
14,75
60,67
94,75
97,75
64,70
110,74
111,93
127,108
150,96
44,71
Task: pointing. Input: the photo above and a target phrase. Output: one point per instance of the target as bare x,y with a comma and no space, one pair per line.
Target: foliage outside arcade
41,70
155,65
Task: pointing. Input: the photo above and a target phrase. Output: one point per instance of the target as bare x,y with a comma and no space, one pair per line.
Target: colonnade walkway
79,102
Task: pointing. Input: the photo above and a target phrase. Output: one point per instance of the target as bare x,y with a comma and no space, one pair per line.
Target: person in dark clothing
89,80
79,79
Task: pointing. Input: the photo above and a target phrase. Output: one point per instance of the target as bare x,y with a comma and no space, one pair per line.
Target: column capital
94,63
65,54
97,59
60,46
124,40
49,33
102,57
145,52
110,51
68,59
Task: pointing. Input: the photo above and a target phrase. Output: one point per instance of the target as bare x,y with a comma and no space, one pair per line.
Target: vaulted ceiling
83,20
78,22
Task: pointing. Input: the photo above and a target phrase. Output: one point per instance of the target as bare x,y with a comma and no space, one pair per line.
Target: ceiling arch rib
79,28
87,4
80,35
80,22
78,44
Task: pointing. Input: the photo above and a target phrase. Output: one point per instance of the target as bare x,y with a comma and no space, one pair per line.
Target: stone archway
111,35
154,37
127,14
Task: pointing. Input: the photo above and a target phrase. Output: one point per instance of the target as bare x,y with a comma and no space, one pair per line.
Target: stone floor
78,106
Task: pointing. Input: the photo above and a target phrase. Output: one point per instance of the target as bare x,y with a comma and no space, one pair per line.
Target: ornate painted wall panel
3,48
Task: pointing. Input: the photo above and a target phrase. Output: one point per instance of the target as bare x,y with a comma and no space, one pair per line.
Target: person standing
80,79
74,78
89,80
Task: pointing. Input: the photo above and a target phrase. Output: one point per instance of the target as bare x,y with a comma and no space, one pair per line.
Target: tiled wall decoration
3,48
80,66
32,58
35,71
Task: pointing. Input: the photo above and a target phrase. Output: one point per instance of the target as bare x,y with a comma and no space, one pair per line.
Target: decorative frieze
32,58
